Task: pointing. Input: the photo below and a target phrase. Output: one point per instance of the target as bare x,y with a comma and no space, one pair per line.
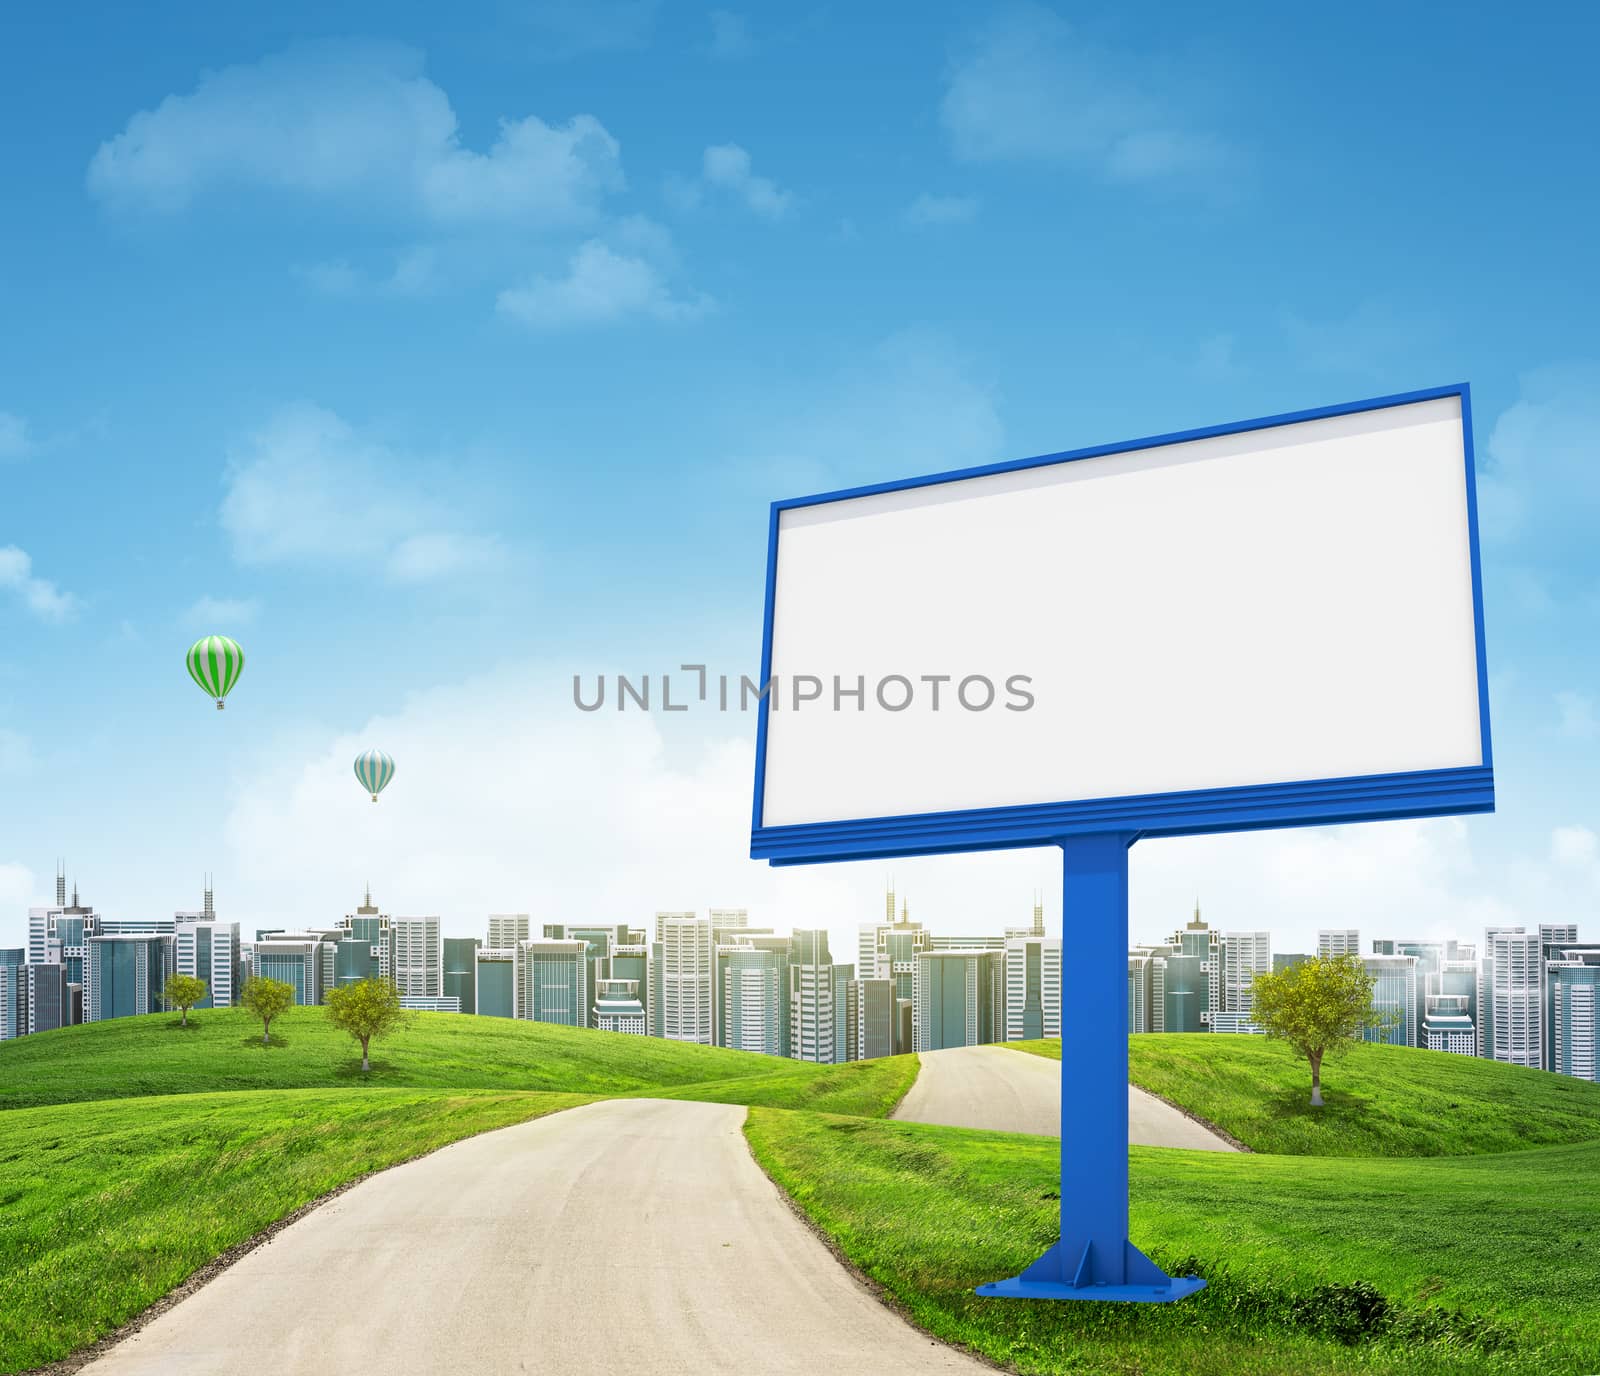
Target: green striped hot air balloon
374,769
215,663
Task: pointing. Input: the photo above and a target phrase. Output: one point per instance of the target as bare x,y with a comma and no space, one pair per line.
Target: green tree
183,991
266,998
1319,1007
367,1009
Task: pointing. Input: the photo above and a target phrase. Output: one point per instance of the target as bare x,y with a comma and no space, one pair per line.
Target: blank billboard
1279,605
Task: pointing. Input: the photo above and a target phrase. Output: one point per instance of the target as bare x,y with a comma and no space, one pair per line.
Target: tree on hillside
370,1008
266,998
183,991
1319,1007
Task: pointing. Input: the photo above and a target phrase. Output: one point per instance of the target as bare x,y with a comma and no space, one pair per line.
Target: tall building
553,982
1147,994
751,985
1244,956
1394,994
1033,987
1572,994
124,973
820,1002
208,950
495,991
955,998
1339,941
13,993
418,959
50,997
1511,996
681,975
888,949
71,925
506,930
1191,977
302,960
875,1018
459,957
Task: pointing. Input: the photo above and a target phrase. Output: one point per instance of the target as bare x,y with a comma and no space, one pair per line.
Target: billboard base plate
1140,1280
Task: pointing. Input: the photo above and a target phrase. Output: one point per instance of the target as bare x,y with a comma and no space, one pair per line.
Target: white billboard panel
1284,603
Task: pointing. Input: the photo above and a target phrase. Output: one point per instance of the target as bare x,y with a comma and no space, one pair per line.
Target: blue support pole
1094,1259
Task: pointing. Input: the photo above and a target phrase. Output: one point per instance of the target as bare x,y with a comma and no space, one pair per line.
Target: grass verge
105,1207
222,1050
1380,1100
1425,1267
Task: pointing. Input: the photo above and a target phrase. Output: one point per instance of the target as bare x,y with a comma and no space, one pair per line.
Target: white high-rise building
418,962
553,982
681,963
1244,956
1511,996
820,1025
1033,988
1339,941
506,930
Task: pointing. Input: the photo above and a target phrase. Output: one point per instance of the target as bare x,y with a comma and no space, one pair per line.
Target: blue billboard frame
1093,1257
1311,802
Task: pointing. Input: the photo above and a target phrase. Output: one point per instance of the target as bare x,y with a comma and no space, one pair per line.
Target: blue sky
438,355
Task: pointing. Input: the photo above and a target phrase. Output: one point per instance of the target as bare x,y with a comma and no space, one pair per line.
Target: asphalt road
630,1236
1011,1091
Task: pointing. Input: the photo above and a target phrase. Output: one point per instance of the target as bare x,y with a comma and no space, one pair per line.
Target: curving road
1012,1091
626,1236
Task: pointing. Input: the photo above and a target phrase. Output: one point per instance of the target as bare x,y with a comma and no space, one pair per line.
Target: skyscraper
1572,992
13,993
875,1018
821,1027
459,955
1244,956
680,993
418,959
1339,941
751,985
208,950
1394,994
1511,996
553,982
124,975
1033,987
507,929
955,997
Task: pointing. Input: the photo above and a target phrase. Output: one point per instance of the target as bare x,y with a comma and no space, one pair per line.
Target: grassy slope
929,1212
106,1206
1381,1100
222,1050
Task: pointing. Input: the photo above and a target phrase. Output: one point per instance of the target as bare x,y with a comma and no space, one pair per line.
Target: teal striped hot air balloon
215,663
374,769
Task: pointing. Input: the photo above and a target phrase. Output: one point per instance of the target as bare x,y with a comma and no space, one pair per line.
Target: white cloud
929,209
15,441
39,595
1577,716
209,613
1028,88
730,36
727,167
1575,846
601,287
16,753
1403,879
507,798
356,121
415,273
308,488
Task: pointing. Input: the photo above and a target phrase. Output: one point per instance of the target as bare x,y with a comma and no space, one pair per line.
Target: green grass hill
1380,1100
